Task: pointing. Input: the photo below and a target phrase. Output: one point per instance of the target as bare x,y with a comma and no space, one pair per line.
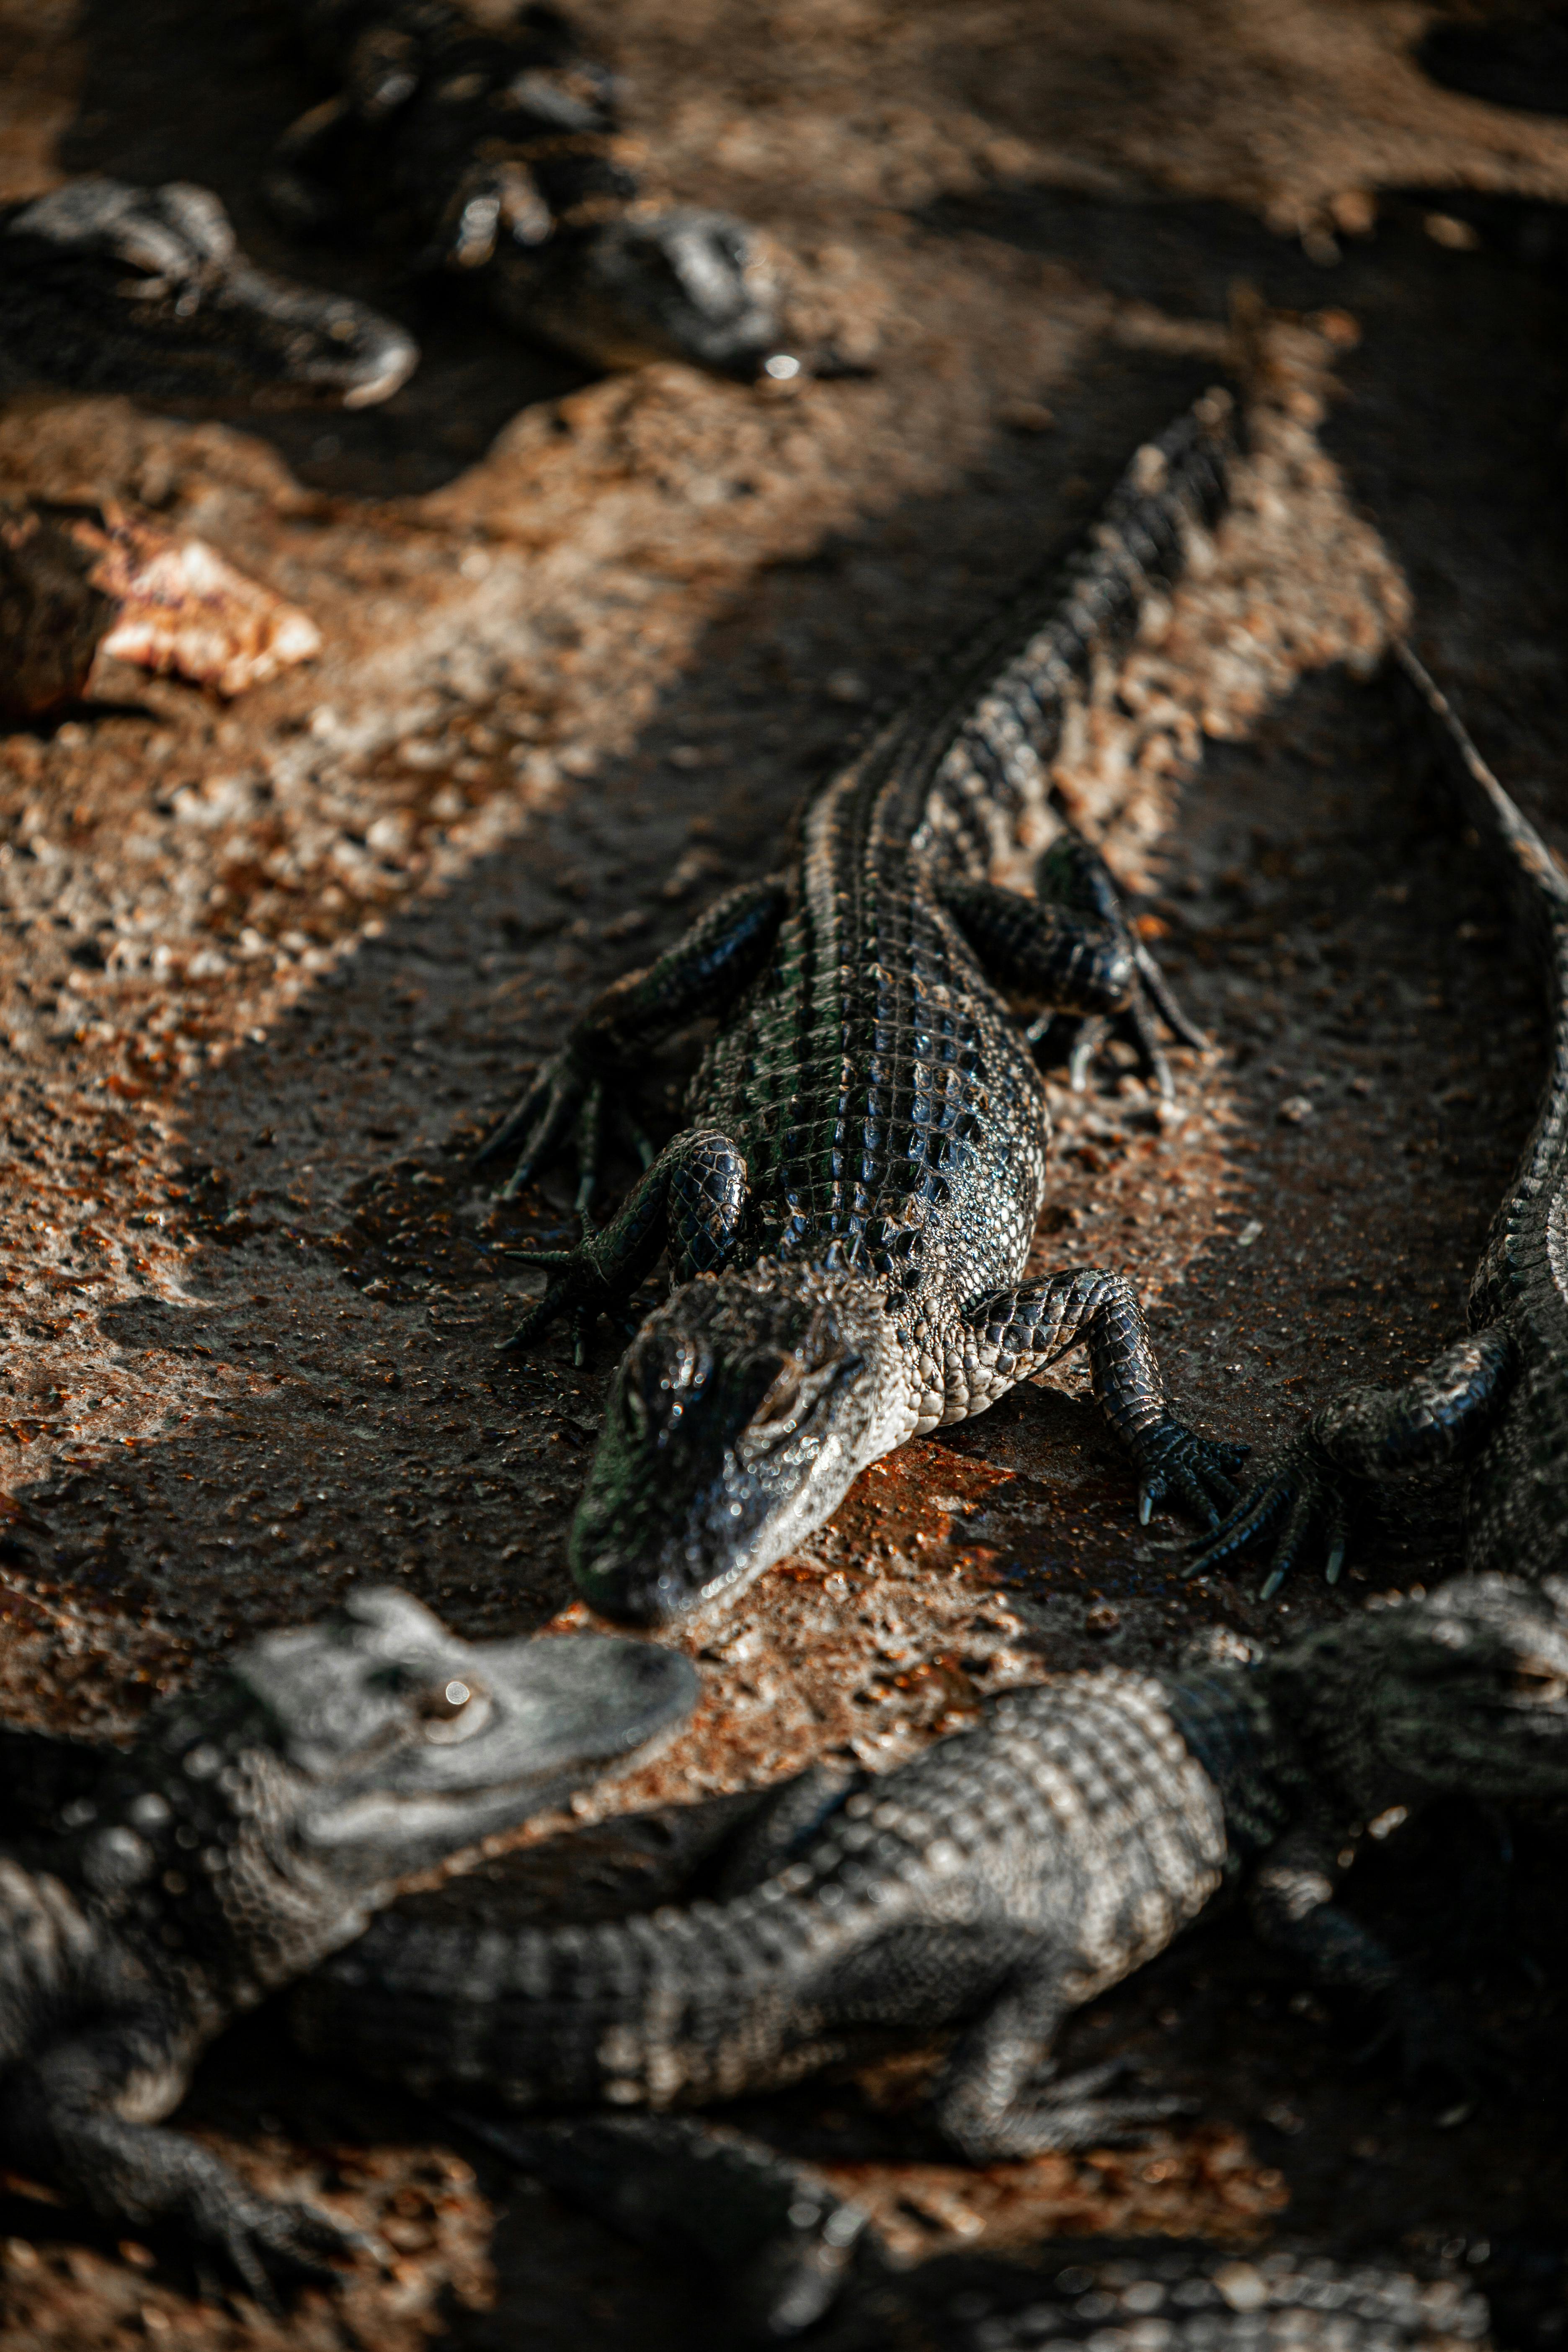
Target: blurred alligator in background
490,150
147,1897
773,2239
996,1883
1497,1400
851,1208
110,287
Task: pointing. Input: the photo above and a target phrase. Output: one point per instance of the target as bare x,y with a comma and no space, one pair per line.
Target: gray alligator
148,1897
1154,2296
110,287
1497,1400
850,1208
994,1885
489,148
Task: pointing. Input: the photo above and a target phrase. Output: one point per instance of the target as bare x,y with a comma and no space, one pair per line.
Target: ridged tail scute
986,769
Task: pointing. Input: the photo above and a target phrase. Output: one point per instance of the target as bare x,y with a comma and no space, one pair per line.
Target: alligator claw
566,1108
1176,1462
574,1287
1303,1491
1060,2113
1079,1039
259,2244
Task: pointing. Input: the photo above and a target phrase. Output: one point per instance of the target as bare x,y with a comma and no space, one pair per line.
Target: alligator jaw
413,1744
740,1415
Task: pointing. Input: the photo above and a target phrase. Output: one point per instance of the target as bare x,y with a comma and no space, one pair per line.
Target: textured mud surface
267,970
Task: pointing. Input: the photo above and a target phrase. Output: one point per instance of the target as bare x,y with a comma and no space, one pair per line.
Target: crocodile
850,1207
108,288
491,151
996,1883
148,1897
1495,1402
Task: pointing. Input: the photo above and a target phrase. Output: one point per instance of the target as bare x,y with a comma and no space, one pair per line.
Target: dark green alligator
850,1209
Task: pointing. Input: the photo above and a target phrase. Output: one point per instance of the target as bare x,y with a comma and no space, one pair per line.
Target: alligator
996,1883
108,288
148,1897
1496,1401
851,1206
772,2241
491,151
1132,2295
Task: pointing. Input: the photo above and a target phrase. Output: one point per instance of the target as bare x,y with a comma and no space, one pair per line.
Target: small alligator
772,2242
490,150
996,1883
108,288
851,1207
1497,1400
1154,2296
147,1897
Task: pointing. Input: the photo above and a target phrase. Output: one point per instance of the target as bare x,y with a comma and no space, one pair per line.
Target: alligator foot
1304,1491
1176,1464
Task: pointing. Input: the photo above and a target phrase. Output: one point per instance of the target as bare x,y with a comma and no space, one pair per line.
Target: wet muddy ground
266,970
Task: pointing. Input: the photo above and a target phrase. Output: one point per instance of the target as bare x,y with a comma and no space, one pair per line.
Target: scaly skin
996,1883
1132,2295
850,1208
108,288
491,151
1497,1400
146,1898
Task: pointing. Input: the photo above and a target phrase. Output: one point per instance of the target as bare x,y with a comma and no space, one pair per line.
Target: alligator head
375,1743
1465,1691
739,1416
415,1743
105,287
654,284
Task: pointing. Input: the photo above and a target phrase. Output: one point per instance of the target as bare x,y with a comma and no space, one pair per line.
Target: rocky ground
267,969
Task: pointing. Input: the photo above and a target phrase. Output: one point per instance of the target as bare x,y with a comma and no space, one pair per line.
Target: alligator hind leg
1016,1335
720,955
691,1201
1075,883
1071,948
1001,2097
1440,1416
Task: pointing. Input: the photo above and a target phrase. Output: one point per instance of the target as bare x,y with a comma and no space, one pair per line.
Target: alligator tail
680,2006
996,719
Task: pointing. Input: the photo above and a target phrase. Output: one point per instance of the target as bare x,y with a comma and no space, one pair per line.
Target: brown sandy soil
268,969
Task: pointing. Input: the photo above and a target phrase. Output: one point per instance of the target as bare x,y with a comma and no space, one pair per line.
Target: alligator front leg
1443,1415
1000,2097
1016,1335
691,1201
719,957
1071,949
60,2123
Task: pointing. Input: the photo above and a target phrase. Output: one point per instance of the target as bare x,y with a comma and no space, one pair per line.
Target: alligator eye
783,1395
1539,1686
453,1709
